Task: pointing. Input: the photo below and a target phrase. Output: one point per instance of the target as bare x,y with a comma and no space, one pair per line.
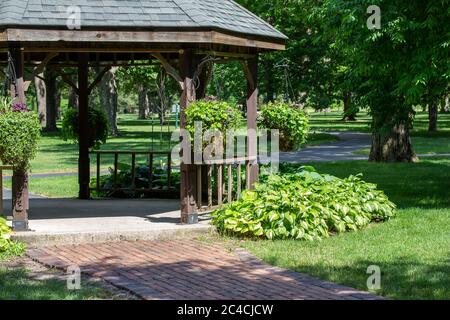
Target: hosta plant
304,205
5,235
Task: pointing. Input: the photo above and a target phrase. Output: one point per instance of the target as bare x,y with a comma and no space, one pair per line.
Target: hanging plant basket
19,135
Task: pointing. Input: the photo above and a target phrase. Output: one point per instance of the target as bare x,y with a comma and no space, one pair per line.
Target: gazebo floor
72,221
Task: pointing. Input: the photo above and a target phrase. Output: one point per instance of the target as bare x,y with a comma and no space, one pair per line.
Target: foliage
292,123
8,248
213,115
142,176
396,67
98,127
303,204
19,134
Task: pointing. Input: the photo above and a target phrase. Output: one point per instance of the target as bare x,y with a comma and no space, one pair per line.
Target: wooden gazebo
38,34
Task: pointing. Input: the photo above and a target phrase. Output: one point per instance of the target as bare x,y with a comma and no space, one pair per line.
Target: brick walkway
189,269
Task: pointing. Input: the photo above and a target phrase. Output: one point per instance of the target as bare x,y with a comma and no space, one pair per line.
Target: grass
57,155
412,250
332,121
17,285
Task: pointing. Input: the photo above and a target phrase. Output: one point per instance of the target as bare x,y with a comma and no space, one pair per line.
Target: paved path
333,151
190,270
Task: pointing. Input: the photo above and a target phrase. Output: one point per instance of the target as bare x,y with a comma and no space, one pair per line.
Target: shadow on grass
406,278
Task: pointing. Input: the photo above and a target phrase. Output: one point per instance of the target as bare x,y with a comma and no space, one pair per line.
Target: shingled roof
222,15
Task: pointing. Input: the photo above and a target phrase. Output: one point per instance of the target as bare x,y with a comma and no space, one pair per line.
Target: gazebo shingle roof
225,15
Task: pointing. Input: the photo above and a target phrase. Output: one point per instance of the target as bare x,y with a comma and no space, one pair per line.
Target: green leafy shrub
292,123
142,176
304,204
98,126
8,248
213,115
19,134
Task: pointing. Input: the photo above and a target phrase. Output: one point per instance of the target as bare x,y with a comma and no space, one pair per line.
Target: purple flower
20,107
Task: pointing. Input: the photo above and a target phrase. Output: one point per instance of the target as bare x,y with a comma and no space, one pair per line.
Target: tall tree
53,100
41,98
402,64
109,99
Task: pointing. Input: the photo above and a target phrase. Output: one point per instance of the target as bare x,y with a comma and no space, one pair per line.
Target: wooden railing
224,183
150,158
3,168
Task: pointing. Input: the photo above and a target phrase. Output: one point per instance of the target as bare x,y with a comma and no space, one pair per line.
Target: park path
188,269
341,150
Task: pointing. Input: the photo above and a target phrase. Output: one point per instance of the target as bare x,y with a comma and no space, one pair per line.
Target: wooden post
83,106
188,188
20,195
251,72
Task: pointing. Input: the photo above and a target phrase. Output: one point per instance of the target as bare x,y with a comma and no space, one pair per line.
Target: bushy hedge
98,126
8,247
213,115
292,123
305,205
19,135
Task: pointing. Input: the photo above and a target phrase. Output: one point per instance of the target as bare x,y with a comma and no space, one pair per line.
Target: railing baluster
239,181
210,189
220,184
230,183
199,186
116,164
247,174
98,173
169,170
133,171
150,166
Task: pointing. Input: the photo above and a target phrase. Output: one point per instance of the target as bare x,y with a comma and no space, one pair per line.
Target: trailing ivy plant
19,135
292,123
98,127
304,205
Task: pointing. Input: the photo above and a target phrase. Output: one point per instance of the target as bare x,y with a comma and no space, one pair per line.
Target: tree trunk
41,97
349,115
73,99
53,100
144,105
445,105
109,99
394,146
432,117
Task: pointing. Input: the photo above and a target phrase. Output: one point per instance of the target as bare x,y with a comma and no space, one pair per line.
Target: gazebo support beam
20,178
83,119
251,73
188,187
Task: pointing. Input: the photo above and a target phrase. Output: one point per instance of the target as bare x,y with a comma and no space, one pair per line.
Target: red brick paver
189,269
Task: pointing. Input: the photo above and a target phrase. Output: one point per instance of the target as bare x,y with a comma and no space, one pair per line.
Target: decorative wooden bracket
39,69
248,74
98,78
66,78
170,69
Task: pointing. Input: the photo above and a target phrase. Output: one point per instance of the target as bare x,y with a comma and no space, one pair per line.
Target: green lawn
16,285
412,250
332,121
56,155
